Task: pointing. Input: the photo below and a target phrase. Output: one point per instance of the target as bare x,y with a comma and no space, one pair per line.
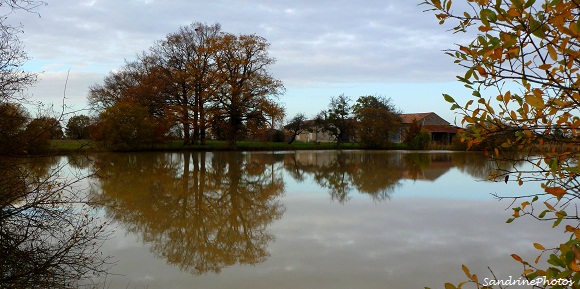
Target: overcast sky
323,48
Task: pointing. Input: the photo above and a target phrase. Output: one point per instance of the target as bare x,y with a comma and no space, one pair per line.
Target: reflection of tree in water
479,166
376,174
200,211
49,237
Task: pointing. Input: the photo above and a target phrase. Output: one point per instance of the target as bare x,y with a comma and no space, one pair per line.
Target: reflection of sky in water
419,237
453,184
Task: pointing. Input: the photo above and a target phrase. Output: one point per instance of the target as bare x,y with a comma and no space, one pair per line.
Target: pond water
308,219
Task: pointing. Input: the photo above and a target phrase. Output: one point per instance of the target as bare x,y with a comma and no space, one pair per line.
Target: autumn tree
337,120
186,62
77,127
49,126
13,120
245,89
523,67
126,126
200,77
416,138
39,132
137,82
377,120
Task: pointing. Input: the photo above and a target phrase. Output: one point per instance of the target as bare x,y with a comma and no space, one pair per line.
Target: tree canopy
377,119
201,79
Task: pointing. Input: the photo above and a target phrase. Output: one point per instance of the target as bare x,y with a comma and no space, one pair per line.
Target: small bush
420,141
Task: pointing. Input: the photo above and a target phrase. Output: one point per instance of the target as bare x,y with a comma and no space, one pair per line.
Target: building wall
319,136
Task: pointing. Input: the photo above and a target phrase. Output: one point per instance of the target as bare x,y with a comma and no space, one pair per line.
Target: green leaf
450,286
532,276
510,220
554,260
536,28
557,222
569,256
448,98
572,169
494,42
572,243
469,73
529,3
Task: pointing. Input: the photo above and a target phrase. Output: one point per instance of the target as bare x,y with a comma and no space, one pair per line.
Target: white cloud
315,42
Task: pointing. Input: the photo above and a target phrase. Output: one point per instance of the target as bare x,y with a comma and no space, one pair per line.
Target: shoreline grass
72,146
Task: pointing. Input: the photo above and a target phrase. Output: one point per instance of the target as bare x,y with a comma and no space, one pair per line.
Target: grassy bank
69,146
66,146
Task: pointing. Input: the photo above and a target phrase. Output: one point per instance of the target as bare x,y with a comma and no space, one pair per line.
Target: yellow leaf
539,246
537,92
525,204
535,101
513,12
484,28
466,271
552,52
450,286
549,206
513,115
507,97
545,66
574,266
481,70
556,191
437,4
517,258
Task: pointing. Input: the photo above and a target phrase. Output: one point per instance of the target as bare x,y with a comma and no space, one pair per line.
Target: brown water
309,219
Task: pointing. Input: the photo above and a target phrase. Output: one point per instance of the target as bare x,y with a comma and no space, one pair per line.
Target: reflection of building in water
434,167
315,159
415,166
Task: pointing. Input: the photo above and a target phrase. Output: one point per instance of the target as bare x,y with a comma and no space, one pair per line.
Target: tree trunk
202,124
186,134
292,139
196,110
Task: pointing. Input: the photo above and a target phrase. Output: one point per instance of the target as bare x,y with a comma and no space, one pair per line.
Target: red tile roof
409,117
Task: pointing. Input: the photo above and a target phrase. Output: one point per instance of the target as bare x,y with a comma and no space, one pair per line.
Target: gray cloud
316,43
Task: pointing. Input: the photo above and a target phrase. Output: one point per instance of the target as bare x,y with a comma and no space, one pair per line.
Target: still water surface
307,219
